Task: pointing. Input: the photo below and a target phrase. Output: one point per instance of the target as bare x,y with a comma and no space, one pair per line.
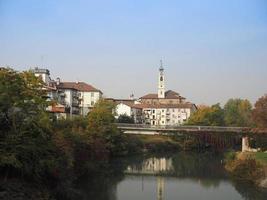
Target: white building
131,110
168,114
79,96
165,107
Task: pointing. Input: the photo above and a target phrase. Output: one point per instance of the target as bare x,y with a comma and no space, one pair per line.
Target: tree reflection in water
205,169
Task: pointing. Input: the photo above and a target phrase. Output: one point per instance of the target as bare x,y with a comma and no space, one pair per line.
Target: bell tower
161,84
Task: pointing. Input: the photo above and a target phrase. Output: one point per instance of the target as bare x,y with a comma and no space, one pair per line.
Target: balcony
62,94
75,103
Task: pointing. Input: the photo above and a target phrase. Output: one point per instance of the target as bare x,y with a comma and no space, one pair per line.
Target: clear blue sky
212,49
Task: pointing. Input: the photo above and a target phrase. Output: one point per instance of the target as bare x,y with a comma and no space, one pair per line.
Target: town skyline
211,51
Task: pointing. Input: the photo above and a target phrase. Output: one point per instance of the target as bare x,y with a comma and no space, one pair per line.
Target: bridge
161,129
201,131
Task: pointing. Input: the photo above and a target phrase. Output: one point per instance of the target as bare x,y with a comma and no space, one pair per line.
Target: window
162,122
153,111
92,94
92,103
161,78
162,111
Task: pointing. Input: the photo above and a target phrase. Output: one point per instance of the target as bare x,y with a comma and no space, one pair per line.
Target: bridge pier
246,147
245,144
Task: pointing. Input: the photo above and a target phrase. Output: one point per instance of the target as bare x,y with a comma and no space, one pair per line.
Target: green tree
237,112
207,116
102,130
259,114
125,119
25,144
101,119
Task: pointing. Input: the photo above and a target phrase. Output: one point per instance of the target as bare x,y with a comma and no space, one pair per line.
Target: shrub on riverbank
245,167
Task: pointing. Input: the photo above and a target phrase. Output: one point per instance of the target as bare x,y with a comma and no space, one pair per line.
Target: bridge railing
179,127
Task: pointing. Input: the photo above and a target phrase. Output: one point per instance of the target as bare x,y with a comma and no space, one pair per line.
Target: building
69,98
52,93
167,114
135,111
165,107
79,96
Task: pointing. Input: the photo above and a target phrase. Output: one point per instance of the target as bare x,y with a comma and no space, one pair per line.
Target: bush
247,169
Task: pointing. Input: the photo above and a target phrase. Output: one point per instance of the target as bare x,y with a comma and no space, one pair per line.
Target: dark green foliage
125,119
26,148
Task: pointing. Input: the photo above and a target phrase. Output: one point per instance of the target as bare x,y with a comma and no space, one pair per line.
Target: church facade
165,107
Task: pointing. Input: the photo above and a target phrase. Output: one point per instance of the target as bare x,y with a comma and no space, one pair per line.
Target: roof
143,106
170,94
120,100
80,86
133,105
181,105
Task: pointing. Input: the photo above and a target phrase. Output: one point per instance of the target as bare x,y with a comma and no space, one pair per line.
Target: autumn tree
237,112
259,113
207,116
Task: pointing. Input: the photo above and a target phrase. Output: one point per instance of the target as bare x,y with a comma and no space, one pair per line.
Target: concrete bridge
145,129
152,129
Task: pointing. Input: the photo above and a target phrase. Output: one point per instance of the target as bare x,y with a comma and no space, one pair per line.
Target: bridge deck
144,127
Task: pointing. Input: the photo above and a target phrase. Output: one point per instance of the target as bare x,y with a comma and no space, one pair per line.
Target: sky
212,50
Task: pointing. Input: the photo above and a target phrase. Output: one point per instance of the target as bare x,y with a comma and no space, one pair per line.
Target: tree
125,119
25,144
101,119
259,113
237,112
102,130
207,116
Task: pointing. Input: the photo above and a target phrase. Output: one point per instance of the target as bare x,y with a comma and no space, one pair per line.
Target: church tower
161,85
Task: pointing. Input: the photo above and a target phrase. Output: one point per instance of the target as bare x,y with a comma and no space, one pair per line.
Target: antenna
42,61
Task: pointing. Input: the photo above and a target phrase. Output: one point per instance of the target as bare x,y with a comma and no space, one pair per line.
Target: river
184,176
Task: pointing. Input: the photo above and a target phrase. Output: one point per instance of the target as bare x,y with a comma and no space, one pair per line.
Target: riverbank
248,166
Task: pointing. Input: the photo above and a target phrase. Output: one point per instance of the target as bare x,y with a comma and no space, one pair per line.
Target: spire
161,66
161,80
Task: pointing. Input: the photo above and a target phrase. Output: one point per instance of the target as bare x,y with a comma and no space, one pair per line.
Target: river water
184,176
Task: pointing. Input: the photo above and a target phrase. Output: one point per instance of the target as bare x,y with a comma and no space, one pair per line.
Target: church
165,107
162,108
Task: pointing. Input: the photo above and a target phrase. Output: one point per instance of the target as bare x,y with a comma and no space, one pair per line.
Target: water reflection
177,176
152,165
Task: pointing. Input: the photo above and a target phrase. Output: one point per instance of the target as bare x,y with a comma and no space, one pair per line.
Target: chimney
57,80
132,96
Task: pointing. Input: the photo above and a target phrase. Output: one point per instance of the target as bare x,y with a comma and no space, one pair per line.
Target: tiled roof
120,100
168,95
182,105
80,86
133,105
143,106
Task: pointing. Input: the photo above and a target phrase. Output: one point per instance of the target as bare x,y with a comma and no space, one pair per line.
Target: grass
262,157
